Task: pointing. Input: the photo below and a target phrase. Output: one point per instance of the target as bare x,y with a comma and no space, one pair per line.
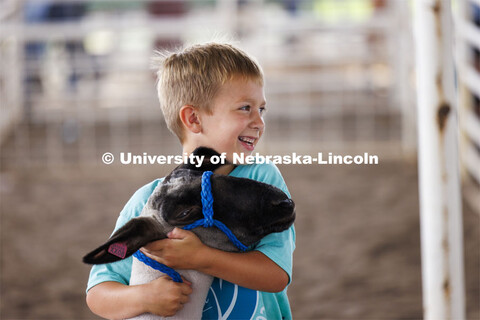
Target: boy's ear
190,117
126,241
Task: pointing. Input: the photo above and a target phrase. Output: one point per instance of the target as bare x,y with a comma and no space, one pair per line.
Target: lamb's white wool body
141,274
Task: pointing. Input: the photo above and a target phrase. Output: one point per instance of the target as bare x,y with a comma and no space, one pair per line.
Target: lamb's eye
184,214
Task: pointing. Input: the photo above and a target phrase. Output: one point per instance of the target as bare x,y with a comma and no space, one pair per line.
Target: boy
211,95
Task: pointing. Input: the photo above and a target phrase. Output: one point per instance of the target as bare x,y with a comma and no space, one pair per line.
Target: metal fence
75,79
468,70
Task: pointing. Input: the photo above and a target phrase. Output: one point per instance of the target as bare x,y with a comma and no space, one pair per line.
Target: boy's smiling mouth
247,142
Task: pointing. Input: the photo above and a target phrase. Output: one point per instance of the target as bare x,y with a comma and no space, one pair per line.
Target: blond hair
194,75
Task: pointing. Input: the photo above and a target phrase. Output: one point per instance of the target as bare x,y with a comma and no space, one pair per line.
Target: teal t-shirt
225,300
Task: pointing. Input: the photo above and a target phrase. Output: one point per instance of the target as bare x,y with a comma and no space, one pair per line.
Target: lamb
250,209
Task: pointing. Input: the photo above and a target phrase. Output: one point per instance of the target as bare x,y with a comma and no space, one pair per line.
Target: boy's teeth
246,140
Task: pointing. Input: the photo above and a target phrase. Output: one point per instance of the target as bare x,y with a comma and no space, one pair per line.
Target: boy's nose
257,122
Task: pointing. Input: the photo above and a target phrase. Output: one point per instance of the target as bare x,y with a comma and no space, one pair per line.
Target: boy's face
236,124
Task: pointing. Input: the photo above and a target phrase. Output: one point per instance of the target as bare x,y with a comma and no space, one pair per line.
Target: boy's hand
114,300
182,250
164,297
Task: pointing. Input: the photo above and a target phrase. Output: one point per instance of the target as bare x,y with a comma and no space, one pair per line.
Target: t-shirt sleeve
120,271
278,246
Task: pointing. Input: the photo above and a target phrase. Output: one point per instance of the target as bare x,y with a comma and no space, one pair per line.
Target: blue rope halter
206,222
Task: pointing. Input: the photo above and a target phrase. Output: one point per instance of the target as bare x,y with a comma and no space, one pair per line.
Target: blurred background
75,82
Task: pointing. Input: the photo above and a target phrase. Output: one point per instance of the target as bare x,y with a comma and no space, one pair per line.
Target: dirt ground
358,241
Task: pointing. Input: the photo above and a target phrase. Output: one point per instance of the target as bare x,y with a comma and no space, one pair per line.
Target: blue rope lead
158,266
206,222
207,209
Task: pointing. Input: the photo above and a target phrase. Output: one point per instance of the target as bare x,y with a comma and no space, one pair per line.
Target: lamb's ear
207,165
126,241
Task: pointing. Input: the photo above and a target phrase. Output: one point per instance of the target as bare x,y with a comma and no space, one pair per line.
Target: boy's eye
263,110
246,108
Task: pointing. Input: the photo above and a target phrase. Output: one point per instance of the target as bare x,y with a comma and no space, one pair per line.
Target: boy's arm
114,300
253,270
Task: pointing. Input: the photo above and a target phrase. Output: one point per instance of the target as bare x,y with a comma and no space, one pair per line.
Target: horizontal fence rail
81,86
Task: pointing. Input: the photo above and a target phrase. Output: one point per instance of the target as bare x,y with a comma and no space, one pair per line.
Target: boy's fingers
184,299
155,245
151,256
177,233
186,289
186,281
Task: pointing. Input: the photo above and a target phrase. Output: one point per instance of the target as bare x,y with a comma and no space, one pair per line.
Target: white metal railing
317,73
468,38
439,182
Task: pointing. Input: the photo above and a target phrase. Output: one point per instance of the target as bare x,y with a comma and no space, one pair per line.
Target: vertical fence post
440,206
402,66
